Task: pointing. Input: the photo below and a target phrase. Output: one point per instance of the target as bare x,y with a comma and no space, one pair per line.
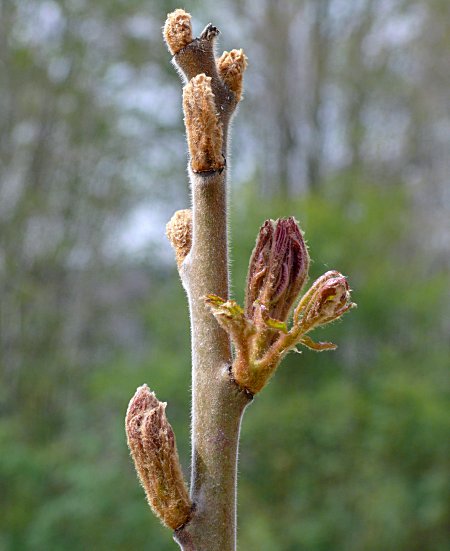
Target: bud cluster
213,89
277,272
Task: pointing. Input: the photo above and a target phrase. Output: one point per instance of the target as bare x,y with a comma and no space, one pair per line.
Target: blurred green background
346,126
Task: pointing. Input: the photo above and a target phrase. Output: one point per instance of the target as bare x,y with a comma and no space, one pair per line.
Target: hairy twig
223,383
210,97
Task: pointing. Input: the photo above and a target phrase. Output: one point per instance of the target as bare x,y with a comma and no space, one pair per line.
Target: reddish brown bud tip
152,445
327,300
278,268
177,30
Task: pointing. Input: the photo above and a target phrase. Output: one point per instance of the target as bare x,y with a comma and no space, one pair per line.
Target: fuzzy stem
217,402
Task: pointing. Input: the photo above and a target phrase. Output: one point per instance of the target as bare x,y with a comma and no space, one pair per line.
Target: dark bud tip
278,268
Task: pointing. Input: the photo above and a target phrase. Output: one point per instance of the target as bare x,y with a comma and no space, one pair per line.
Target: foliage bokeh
345,450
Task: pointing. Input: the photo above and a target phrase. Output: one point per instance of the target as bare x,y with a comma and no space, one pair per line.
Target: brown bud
152,445
179,233
327,300
278,268
203,128
231,67
177,30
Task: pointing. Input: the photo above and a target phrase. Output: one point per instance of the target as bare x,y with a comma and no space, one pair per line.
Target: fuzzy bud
179,233
177,30
231,67
327,300
203,128
152,445
278,269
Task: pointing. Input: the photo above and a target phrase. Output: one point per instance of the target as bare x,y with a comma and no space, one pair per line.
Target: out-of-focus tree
75,153
341,84
364,465
89,122
78,116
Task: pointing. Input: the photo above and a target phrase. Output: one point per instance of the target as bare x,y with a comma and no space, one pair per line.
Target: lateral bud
177,30
231,67
203,128
179,233
327,299
152,445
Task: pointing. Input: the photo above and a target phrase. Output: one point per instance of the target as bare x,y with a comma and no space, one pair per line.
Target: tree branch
210,96
221,388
